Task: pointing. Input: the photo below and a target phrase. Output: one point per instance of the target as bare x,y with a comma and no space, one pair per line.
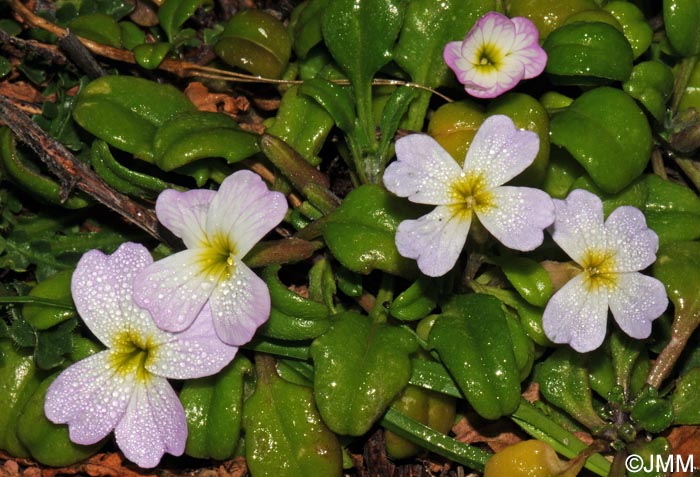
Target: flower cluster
181,318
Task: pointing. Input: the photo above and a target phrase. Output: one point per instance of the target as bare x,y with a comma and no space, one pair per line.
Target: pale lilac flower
427,174
218,228
124,387
497,53
610,255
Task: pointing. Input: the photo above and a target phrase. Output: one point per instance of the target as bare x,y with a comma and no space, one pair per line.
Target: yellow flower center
598,269
489,57
130,355
470,194
217,259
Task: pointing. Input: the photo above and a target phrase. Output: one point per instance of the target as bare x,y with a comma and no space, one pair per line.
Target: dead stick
72,172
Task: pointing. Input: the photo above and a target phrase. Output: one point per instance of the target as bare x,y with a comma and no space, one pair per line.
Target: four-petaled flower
496,54
218,228
124,387
610,255
426,174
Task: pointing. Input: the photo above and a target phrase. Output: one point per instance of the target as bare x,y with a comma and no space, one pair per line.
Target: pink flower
610,255
496,54
125,388
219,228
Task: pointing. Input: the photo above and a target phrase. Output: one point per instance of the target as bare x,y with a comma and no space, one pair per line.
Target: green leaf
150,55
682,25
174,13
98,27
672,210
360,367
588,53
564,382
305,26
360,233
427,28
54,344
686,400
607,133
337,100
474,343
190,136
651,83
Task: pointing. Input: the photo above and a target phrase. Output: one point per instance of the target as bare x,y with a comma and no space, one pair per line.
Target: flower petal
452,54
422,172
494,30
154,423
434,240
526,47
577,315
518,217
194,353
185,213
634,244
89,398
499,151
240,305
578,226
637,301
174,289
244,210
102,288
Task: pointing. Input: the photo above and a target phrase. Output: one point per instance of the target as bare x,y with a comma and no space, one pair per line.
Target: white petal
240,305
184,214
628,237
577,316
496,30
578,226
194,353
422,172
518,216
434,240
154,423
636,302
102,288
244,210
90,398
499,151
175,289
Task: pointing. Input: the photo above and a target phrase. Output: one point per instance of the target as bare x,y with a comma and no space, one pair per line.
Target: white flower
218,228
610,255
426,173
124,387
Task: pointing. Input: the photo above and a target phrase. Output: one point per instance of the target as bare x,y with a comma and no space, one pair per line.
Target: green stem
687,65
690,169
35,300
433,440
541,427
684,324
417,111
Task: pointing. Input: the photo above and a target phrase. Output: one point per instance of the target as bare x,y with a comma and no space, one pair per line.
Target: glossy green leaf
284,433
474,342
682,25
529,278
588,53
305,26
213,407
360,367
563,382
302,123
173,13
256,42
651,412
190,136
686,400
651,83
634,25
98,27
150,55
360,233
607,133
672,210
427,28
337,100
125,111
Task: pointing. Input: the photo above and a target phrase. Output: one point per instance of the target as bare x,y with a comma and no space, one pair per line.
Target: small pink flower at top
125,387
610,254
426,174
496,54
219,228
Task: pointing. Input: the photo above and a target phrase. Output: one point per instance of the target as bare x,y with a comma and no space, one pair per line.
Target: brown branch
73,173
